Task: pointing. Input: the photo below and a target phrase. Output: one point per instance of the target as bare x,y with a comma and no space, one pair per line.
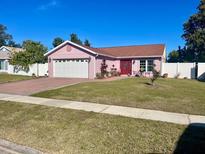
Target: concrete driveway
29,87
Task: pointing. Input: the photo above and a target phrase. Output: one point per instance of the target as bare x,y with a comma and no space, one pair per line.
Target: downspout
161,66
163,60
95,66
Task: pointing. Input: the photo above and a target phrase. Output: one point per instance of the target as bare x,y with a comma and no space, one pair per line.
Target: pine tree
74,38
87,43
194,35
57,41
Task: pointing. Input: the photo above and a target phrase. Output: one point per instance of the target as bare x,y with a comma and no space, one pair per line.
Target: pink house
75,61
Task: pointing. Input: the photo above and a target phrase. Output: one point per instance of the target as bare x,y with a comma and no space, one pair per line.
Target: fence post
37,69
196,70
177,69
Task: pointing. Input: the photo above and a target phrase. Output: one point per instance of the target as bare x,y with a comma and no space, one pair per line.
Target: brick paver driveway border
28,87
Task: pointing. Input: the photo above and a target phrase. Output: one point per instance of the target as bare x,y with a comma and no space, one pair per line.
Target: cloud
50,4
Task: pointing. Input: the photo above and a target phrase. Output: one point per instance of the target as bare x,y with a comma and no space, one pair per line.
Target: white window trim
146,64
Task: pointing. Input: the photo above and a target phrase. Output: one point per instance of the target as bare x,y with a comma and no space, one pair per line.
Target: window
150,65
6,65
146,65
142,65
1,65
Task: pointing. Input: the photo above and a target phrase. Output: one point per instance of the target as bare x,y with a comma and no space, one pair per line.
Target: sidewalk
7,147
177,118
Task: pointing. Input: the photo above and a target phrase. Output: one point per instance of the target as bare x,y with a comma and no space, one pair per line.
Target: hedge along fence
34,69
181,70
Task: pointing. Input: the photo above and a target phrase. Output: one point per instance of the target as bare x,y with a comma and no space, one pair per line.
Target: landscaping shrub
177,76
108,74
142,70
165,75
99,76
33,75
103,69
114,71
155,76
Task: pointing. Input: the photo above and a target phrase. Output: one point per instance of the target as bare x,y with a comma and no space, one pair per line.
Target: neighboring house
5,55
34,69
73,60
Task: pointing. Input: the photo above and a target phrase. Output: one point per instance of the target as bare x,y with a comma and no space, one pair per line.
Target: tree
74,38
21,61
4,37
57,41
33,53
36,50
182,54
155,76
87,43
194,35
11,43
173,56
177,55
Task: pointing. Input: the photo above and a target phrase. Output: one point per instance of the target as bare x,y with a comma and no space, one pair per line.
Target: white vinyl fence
35,69
201,70
183,70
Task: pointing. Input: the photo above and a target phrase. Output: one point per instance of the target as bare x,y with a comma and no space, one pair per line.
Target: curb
15,148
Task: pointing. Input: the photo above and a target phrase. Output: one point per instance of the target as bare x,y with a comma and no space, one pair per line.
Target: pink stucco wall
135,66
70,52
109,61
116,63
157,63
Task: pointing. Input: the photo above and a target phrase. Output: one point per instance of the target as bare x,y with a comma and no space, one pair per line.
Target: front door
126,66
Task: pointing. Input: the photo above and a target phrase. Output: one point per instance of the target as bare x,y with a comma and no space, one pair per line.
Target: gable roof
12,49
153,50
9,51
67,42
135,50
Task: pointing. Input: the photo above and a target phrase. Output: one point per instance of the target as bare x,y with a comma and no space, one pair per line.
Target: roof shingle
132,51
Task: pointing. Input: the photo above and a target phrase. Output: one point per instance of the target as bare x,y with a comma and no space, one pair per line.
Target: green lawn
55,130
173,95
4,78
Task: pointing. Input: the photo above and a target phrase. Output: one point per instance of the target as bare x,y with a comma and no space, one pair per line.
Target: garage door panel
71,68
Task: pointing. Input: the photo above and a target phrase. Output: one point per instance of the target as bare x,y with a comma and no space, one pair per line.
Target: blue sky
103,22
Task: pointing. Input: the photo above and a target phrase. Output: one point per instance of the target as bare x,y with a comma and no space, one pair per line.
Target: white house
5,55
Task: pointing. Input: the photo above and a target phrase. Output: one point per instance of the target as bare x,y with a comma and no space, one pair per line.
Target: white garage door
72,68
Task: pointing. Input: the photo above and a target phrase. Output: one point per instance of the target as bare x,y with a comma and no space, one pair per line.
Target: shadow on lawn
150,85
192,141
